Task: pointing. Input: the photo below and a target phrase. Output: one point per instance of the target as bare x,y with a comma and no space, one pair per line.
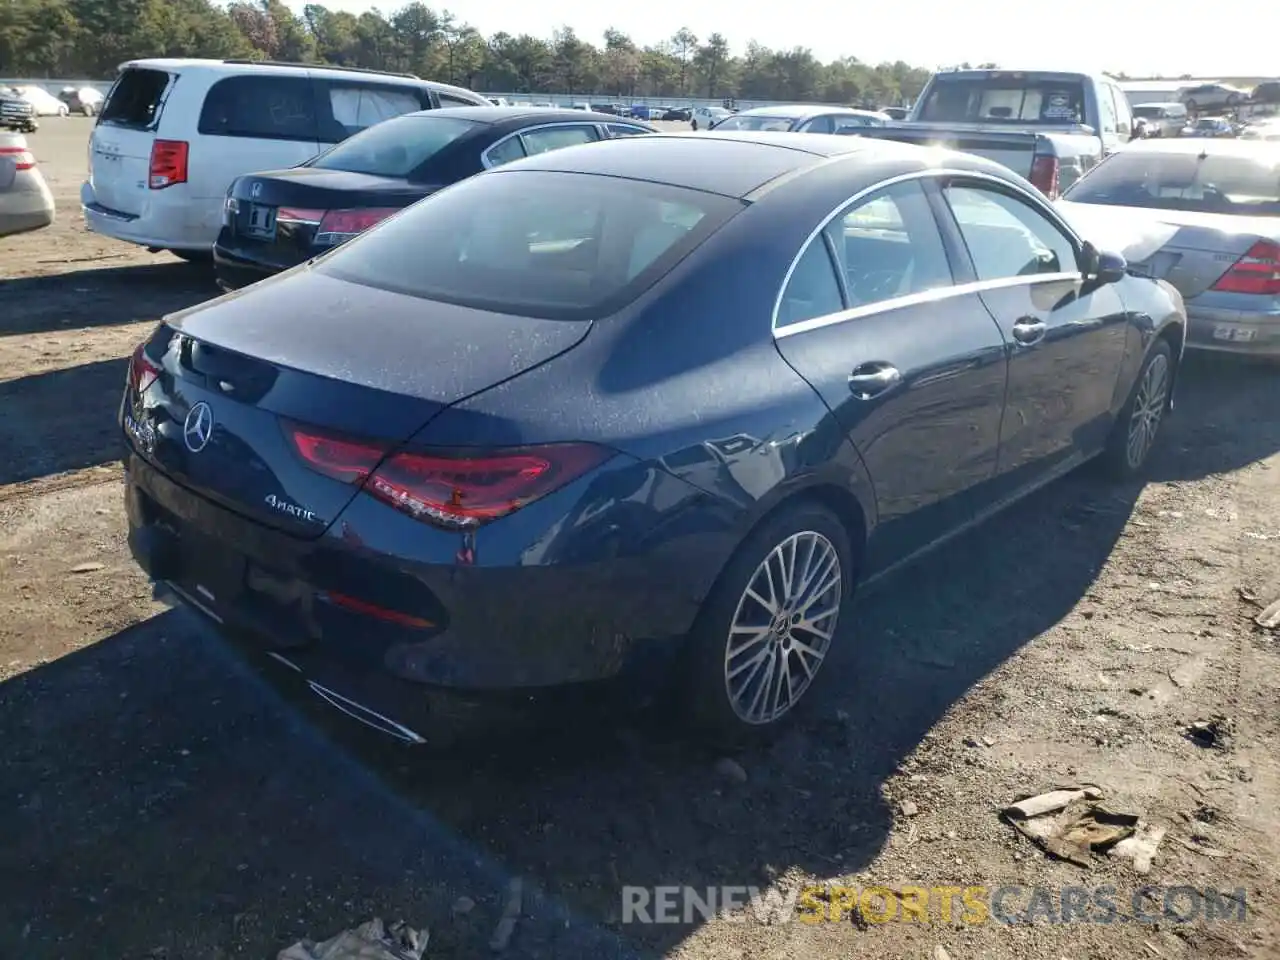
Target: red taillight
1044,176
23,157
1258,271
338,226
297,215
459,489
168,163
142,371
378,612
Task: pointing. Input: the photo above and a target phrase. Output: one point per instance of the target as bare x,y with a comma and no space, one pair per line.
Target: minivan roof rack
319,66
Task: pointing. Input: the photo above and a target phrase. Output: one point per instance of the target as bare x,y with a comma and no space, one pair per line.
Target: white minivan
173,134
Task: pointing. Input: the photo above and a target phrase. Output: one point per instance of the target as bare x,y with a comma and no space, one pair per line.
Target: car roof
234,66
513,115
792,110
735,163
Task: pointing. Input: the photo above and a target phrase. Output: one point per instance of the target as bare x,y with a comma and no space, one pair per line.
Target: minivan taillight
453,488
339,226
1044,175
23,158
1258,271
168,163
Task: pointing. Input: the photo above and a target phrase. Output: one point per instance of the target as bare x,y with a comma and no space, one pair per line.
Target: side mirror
1103,266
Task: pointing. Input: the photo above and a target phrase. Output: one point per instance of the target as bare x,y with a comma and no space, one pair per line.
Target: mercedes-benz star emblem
198,427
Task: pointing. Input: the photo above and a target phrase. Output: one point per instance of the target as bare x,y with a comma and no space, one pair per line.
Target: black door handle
1029,330
872,379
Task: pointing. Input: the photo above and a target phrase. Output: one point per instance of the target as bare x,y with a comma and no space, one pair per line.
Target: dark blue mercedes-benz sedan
672,394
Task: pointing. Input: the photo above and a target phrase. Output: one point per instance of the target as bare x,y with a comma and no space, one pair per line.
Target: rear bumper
518,626
233,270
167,221
1224,330
27,205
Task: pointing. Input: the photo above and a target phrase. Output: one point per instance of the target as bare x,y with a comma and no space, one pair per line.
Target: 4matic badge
281,505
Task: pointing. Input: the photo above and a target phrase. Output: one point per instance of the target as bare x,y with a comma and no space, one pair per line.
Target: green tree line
89,38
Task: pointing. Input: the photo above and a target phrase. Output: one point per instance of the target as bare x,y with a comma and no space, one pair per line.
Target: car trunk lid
234,374
1188,249
277,216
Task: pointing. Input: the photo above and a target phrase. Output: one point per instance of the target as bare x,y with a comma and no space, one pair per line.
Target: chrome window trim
916,299
484,157
1036,202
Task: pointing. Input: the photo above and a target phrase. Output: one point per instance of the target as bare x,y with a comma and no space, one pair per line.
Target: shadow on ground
103,297
165,798
60,420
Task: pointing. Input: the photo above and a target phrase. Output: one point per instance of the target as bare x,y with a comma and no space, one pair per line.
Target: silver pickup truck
1047,126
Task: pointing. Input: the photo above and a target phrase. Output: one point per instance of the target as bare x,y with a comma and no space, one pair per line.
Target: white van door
251,123
120,145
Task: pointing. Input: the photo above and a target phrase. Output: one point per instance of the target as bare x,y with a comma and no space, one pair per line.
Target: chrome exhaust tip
370,718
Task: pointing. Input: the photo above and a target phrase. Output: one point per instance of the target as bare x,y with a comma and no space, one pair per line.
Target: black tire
194,256
817,534
1125,456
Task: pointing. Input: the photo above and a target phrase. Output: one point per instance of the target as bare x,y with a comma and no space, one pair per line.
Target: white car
43,102
704,117
174,133
25,201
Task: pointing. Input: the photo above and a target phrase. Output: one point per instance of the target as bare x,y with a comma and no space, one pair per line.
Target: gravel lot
162,802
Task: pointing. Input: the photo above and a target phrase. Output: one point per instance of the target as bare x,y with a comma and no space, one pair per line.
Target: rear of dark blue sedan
301,468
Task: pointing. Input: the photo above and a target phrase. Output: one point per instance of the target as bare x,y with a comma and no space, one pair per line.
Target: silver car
25,201
1203,215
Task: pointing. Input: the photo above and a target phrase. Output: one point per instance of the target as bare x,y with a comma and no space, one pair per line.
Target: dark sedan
281,218
663,400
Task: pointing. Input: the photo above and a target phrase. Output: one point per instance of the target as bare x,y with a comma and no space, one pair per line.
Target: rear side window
356,106
260,106
396,148
534,243
136,99
448,100
554,138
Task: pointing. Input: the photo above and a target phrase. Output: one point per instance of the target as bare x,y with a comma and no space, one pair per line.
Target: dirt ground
161,801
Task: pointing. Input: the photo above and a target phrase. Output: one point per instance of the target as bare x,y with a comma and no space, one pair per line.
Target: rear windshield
394,148
534,243
1011,99
136,99
1224,183
756,122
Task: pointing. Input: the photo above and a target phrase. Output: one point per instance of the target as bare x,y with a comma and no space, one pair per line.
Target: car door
911,365
1066,335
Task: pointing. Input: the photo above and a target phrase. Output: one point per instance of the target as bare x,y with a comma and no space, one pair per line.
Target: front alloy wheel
783,627
1149,405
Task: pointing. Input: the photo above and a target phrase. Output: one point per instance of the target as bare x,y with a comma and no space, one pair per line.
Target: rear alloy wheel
770,623
1134,433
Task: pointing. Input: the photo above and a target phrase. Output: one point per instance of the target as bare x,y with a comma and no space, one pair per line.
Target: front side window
260,106
535,243
396,148
554,138
1006,237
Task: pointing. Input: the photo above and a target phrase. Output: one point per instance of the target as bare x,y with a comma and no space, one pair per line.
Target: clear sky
1138,37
